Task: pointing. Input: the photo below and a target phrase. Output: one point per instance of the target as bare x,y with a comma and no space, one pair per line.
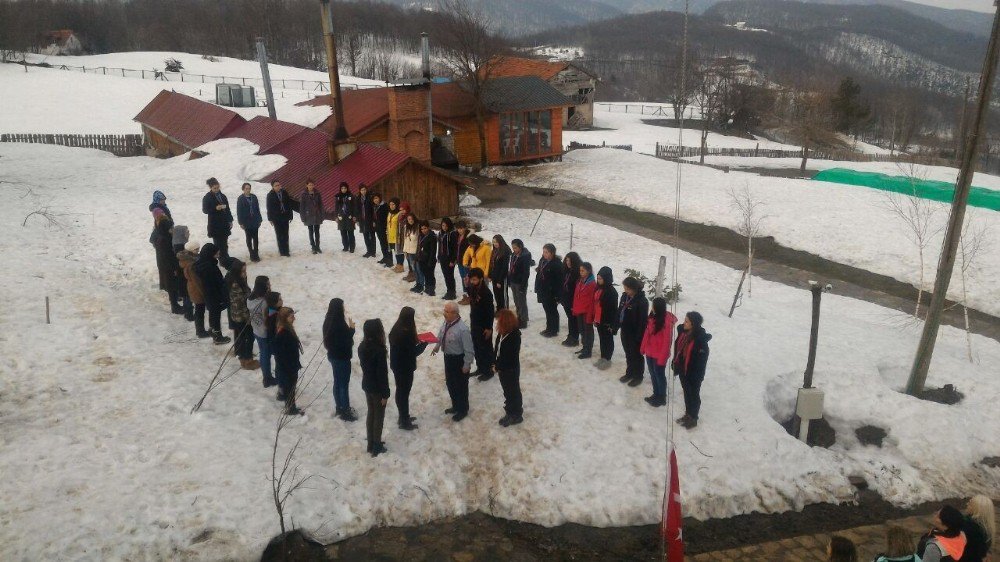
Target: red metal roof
518,66
266,133
368,165
306,155
189,121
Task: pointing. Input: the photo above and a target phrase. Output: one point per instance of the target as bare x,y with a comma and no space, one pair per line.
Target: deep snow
102,459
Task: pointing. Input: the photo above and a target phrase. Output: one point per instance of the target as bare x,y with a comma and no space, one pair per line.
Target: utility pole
961,125
331,63
949,248
265,74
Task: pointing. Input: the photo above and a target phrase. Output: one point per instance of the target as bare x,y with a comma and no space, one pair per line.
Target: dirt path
773,261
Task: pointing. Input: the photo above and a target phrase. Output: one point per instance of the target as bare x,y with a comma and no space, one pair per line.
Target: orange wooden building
524,118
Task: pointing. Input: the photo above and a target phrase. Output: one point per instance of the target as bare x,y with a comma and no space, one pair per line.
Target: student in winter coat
345,208
287,350
979,526
899,546
426,260
187,259
395,220
583,309
945,542
258,310
690,359
249,218
606,316
279,214
365,214
481,314
508,366
404,348
239,314
180,239
463,245
518,271
338,338
220,217
311,213
380,212
567,293
655,347
166,261
411,239
213,288
374,381
633,321
840,549
447,255
497,271
160,202
548,286
455,341
476,256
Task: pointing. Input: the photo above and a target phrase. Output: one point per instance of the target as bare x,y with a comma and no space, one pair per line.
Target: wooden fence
119,145
574,145
674,151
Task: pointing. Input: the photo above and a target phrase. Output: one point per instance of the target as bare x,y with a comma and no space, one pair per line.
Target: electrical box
235,95
809,405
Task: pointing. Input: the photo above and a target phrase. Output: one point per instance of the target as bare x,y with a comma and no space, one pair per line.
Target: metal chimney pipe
425,60
331,62
266,77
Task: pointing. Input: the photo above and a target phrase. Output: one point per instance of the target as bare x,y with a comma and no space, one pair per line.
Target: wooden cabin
571,80
174,124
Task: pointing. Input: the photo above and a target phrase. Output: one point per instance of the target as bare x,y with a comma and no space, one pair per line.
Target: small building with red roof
570,79
174,124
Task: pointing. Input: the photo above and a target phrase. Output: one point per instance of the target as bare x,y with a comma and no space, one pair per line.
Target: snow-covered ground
102,459
844,223
49,100
614,126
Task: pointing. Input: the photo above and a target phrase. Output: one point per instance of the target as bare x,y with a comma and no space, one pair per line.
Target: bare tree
472,54
917,215
975,235
750,212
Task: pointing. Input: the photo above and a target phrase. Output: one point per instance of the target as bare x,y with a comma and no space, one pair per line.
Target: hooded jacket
583,299
480,257
499,260
187,260
374,364
519,267
257,307
311,208
447,252
213,285
248,212
549,279
166,258
691,350
279,206
427,249
238,293
656,345
220,221
632,313
606,301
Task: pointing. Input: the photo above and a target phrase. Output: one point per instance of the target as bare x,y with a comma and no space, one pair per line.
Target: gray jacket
258,316
458,341
311,208
181,235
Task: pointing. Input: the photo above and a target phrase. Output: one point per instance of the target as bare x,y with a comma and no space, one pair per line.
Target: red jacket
657,345
583,299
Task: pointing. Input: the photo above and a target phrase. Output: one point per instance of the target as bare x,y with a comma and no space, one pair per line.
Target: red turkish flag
673,540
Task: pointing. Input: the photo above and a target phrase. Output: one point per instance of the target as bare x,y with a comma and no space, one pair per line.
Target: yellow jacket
392,227
480,259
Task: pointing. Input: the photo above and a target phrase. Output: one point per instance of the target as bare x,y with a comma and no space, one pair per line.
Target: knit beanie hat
192,246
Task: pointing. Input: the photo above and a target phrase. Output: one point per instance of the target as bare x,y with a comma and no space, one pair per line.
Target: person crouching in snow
655,347
373,357
690,360
286,349
632,321
606,316
213,288
239,314
945,542
187,259
583,309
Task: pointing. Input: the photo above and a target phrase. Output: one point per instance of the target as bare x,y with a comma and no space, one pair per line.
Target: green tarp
926,189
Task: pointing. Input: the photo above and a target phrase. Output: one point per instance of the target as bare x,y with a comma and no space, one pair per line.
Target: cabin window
525,134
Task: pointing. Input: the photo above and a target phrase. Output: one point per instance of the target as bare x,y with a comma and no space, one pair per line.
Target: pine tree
847,107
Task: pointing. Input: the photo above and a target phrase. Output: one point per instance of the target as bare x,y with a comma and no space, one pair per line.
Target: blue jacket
248,211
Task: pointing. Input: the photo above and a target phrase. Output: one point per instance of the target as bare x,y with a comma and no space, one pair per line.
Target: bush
209,58
173,65
671,294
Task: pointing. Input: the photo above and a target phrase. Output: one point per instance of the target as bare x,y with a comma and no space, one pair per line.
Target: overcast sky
977,5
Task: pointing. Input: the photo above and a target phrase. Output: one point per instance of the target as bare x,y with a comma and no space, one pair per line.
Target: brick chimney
409,121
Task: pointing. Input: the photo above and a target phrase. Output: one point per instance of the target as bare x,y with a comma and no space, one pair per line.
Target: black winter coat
339,342
482,309
609,307
509,352
692,361
403,358
427,249
978,543
633,316
519,268
364,212
448,247
286,351
374,370
549,278
275,203
220,221
166,259
345,209
499,260
381,217
568,288
213,285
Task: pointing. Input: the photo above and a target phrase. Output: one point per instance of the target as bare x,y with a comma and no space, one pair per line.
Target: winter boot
176,308
219,339
464,301
202,333
407,425
410,277
570,341
429,292
449,296
635,382
417,289
625,379
249,364
398,268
